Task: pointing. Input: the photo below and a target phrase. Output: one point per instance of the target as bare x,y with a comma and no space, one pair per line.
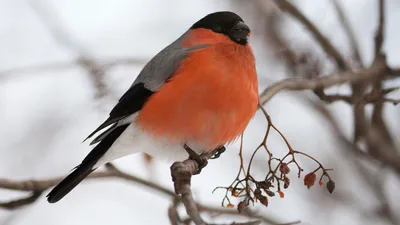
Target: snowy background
45,114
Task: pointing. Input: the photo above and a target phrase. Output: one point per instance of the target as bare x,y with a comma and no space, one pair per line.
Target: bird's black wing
131,102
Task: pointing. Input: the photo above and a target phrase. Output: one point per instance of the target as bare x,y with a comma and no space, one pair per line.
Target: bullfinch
199,92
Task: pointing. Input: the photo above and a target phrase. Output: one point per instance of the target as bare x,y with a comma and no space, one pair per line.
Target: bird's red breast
211,97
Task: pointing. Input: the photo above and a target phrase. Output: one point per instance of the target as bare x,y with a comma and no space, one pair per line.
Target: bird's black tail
86,167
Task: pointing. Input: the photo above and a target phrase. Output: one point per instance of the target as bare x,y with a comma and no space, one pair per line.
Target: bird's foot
202,160
218,151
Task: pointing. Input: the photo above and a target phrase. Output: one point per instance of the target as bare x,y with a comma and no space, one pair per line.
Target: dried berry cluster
250,190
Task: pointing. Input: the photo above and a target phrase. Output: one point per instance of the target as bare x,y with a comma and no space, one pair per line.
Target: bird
200,92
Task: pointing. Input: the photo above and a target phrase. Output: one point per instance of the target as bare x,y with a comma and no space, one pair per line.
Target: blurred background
64,64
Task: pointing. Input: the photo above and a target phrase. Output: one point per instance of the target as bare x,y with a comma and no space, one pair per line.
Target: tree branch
300,84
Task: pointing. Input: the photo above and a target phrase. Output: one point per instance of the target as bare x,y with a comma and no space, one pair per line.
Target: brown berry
264,200
330,186
241,206
264,184
270,193
258,194
230,206
284,168
281,194
286,182
309,179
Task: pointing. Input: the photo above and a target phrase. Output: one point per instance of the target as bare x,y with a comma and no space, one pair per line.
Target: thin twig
104,63
320,92
349,31
380,31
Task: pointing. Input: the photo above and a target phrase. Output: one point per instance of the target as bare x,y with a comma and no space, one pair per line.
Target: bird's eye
217,28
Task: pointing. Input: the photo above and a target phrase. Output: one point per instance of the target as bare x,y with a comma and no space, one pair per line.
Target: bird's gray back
163,65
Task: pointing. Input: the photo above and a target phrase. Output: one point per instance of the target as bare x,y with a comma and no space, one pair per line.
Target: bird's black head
227,23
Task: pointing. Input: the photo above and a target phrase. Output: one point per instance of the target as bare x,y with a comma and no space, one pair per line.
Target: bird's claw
201,160
218,152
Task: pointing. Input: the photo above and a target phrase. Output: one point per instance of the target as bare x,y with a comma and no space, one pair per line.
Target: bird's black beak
240,32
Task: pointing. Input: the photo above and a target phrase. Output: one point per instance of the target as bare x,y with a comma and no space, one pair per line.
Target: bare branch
349,31
21,202
393,101
377,121
380,31
300,84
394,72
103,63
320,92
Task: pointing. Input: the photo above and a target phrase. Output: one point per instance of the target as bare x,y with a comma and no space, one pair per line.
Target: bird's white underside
134,139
